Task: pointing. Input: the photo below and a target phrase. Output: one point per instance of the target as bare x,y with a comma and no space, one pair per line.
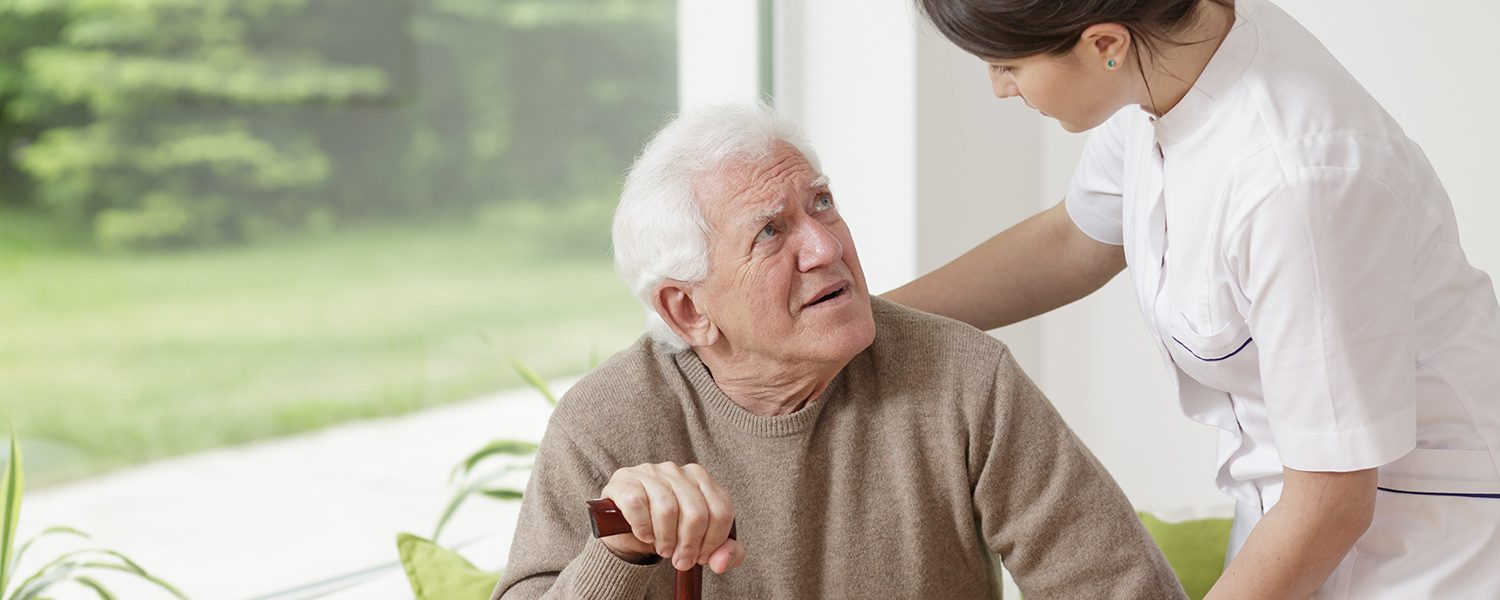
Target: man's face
784,280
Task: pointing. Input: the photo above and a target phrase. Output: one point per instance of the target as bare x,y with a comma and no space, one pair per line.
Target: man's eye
824,202
766,233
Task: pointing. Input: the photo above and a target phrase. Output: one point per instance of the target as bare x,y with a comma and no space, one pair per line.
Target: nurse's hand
676,511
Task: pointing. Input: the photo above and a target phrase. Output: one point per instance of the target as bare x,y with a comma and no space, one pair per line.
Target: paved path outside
243,522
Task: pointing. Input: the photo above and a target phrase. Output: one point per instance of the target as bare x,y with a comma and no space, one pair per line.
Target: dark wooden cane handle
606,520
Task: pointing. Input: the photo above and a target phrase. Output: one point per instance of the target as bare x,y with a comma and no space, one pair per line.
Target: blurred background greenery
225,220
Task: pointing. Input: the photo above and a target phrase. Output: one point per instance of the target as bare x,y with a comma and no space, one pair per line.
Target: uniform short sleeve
1095,195
1326,261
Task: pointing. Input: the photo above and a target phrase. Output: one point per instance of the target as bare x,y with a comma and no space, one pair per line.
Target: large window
224,221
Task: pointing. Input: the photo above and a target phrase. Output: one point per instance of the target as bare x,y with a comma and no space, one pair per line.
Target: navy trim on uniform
1452,494
1195,354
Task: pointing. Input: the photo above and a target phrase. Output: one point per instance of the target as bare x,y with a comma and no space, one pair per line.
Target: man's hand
678,512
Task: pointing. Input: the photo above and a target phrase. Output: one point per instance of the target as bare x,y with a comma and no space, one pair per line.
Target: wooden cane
606,520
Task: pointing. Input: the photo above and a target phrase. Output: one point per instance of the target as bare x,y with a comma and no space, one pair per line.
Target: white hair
659,231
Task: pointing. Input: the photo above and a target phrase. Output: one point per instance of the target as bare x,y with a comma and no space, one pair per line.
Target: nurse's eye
766,233
999,69
824,202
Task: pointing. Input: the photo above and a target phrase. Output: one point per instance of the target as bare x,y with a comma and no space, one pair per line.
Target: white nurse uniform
1298,260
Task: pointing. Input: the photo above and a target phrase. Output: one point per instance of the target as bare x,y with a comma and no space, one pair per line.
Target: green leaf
16,560
138,572
129,564
453,504
63,567
463,494
503,493
12,486
96,586
495,448
535,380
45,578
437,573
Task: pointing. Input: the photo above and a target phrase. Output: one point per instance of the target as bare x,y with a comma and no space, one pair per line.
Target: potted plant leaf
437,572
80,566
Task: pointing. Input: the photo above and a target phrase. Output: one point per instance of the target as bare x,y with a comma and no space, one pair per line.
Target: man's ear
673,300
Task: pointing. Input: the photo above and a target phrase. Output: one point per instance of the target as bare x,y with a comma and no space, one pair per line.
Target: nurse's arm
1300,541
1037,265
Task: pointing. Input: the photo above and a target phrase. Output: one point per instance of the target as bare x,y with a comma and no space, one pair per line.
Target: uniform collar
1218,79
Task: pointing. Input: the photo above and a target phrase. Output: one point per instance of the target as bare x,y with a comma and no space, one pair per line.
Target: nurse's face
1081,89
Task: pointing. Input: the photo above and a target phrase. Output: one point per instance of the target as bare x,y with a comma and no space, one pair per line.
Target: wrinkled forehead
753,189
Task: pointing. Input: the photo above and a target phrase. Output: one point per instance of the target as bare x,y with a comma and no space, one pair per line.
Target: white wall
976,163
898,114
928,163
1432,66
844,71
718,56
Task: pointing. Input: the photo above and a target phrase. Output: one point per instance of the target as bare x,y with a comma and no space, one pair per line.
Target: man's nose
819,247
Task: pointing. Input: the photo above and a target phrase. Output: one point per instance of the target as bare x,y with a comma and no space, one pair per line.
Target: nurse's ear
1105,44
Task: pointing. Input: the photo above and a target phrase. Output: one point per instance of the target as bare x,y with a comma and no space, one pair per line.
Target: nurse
1298,262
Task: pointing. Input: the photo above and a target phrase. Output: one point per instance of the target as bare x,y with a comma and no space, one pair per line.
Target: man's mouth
830,293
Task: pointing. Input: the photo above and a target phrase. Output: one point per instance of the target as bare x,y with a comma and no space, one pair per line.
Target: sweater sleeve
553,554
1047,507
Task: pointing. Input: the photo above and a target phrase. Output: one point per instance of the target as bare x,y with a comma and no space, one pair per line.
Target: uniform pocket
1218,345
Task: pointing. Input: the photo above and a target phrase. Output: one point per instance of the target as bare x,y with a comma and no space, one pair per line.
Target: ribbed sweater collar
726,410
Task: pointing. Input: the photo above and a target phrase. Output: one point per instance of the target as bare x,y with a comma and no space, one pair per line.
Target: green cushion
1195,549
437,573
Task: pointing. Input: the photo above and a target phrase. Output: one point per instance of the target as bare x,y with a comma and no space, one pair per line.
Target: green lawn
109,360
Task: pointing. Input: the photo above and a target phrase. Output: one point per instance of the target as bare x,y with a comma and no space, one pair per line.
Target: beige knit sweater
930,453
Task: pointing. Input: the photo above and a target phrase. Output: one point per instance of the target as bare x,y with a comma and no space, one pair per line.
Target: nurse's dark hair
1007,29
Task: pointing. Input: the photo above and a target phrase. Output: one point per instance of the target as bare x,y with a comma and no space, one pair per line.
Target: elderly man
865,450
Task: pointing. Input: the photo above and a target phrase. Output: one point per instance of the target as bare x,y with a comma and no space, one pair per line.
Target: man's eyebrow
761,216
766,214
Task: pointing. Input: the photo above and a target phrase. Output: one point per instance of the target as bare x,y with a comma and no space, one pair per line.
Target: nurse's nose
1004,86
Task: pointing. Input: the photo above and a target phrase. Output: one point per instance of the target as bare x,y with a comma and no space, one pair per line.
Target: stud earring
1111,63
